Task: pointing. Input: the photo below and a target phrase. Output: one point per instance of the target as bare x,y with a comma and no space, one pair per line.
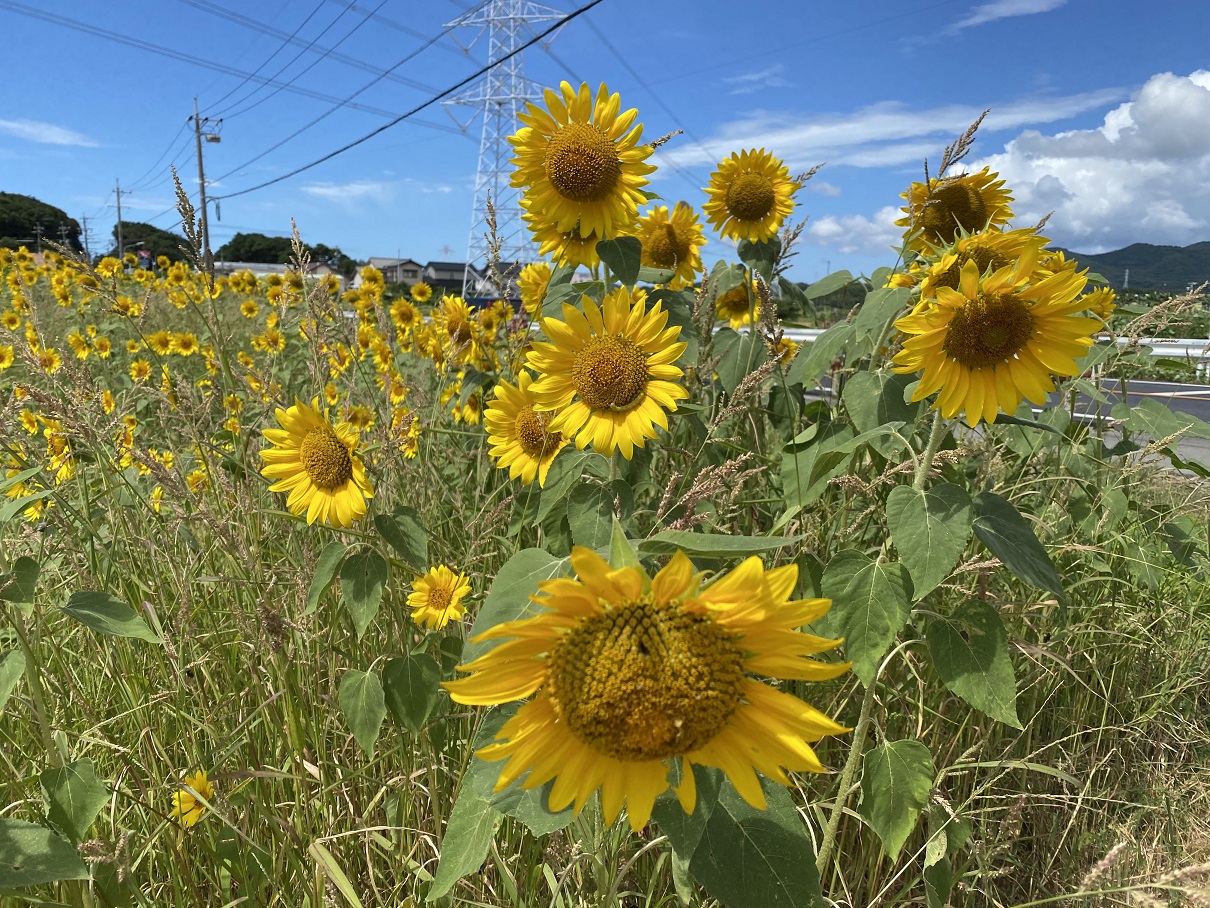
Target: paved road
1180,398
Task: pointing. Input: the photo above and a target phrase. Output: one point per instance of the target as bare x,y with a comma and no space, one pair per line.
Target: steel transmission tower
499,97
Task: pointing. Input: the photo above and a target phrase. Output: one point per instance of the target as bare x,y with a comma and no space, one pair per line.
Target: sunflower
159,342
937,211
670,242
249,309
997,338
750,195
6,356
989,250
50,361
632,672
140,370
436,598
609,370
185,344
581,163
187,807
317,464
421,292
1101,303
404,315
737,307
563,247
532,283
519,436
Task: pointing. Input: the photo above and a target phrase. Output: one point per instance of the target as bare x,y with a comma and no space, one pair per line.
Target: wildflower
436,598
187,806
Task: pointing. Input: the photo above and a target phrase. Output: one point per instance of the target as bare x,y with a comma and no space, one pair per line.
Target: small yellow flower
437,597
107,404
6,356
140,370
184,344
187,806
157,498
160,342
132,346
249,309
50,361
102,346
198,480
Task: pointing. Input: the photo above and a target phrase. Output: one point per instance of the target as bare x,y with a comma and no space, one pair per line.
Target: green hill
1151,267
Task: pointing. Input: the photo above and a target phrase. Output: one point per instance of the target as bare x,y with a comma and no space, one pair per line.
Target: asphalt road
1180,398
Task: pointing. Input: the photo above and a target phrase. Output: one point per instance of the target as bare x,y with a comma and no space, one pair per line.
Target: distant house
264,269
394,271
447,276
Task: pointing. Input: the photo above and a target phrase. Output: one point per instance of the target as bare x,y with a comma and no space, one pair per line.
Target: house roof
447,266
380,261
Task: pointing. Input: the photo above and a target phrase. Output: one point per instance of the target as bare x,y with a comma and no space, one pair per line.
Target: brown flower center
610,373
750,197
582,163
950,207
989,330
664,248
983,259
325,458
642,681
439,598
734,304
532,432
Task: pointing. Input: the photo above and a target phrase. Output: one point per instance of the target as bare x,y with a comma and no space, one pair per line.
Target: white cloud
822,187
356,190
855,234
1143,175
45,133
1004,9
883,134
746,83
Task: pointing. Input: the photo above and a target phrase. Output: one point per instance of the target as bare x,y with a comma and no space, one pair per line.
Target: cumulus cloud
855,234
45,133
1143,175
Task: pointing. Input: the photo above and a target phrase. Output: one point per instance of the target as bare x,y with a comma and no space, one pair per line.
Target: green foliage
256,247
32,854
107,615
1010,538
411,685
74,796
364,706
970,650
154,239
622,257
20,217
12,667
896,778
871,602
930,530
362,577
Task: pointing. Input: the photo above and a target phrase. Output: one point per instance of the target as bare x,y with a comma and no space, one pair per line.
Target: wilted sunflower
609,370
187,809
436,598
632,672
532,283
520,437
996,338
670,242
317,464
937,212
751,193
581,162
737,307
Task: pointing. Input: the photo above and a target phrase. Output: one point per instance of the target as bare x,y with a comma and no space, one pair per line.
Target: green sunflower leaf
31,855
871,602
707,545
75,796
412,685
970,651
325,573
362,578
18,584
1010,538
364,707
828,284
508,599
12,667
896,778
106,615
623,257
404,531
930,529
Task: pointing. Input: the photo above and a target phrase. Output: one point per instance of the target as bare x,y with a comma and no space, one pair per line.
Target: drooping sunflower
737,307
670,242
631,672
610,370
580,161
519,436
997,338
317,464
532,283
751,194
187,809
1101,303
436,598
938,210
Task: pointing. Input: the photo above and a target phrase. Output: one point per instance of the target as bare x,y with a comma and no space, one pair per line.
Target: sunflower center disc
325,459
535,438
458,327
664,248
988,331
642,681
439,598
610,373
951,207
983,259
734,303
582,163
750,197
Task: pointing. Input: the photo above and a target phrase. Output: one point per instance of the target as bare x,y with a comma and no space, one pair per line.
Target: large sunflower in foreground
581,162
670,242
609,370
317,464
997,338
520,437
751,193
938,211
632,672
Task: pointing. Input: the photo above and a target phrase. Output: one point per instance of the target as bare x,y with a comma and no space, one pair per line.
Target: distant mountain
1151,267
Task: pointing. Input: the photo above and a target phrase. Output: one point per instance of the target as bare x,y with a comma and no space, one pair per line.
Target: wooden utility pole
117,191
211,136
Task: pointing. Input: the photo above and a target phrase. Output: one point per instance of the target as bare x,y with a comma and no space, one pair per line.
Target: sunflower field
311,597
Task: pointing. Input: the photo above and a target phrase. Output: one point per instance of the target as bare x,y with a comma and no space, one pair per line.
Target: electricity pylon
498,97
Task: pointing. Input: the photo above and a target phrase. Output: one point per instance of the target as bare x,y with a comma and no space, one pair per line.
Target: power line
419,107
179,55
323,116
278,50
310,65
391,23
164,154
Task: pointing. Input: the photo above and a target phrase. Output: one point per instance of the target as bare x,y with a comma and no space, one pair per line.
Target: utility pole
84,237
211,136
38,235
117,191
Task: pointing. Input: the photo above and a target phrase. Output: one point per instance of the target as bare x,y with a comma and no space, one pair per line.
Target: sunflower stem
33,678
930,451
856,747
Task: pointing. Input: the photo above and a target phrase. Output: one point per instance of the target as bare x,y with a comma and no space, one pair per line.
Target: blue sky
1100,111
